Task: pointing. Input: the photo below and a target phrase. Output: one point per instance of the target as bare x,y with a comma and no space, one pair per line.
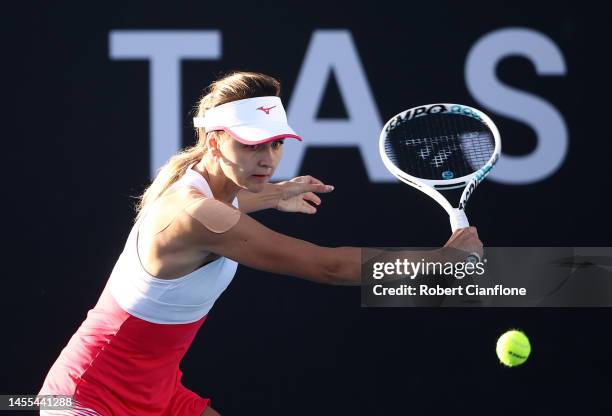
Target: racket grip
458,219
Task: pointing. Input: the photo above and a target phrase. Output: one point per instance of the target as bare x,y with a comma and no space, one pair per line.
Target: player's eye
276,144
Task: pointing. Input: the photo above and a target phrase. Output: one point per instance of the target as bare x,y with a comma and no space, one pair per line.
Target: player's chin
256,183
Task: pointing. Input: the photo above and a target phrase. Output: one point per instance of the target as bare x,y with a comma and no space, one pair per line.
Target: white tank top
183,300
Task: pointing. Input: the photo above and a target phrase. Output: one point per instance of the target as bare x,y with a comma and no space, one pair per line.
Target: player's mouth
261,177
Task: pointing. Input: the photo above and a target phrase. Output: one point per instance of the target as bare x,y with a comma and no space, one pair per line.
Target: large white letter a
333,50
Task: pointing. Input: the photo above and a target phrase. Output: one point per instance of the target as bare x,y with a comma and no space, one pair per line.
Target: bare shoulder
185,213
216,216
167,208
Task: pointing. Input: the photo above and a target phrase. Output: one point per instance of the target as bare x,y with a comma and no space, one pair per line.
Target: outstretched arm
252,244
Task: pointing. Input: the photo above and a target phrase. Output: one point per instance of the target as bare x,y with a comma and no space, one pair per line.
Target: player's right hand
466,240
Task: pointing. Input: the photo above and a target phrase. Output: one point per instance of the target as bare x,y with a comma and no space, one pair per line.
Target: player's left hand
296,192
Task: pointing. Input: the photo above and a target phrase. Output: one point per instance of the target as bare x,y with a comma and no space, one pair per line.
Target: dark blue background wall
77,137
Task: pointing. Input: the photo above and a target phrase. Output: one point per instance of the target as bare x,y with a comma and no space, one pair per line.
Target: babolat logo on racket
416,112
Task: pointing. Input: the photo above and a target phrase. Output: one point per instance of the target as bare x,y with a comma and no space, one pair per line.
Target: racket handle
458,219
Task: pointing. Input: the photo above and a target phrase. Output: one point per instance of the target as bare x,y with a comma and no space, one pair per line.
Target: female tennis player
190,232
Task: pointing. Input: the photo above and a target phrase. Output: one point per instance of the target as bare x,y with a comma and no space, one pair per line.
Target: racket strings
440,146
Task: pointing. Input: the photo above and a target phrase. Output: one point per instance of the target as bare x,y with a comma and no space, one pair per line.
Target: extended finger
309,196
318,188
307,208
312,179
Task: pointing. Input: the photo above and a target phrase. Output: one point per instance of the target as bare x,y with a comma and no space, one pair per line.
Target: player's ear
212,143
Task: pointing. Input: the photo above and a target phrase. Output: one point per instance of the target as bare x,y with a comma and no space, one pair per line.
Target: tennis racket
437,147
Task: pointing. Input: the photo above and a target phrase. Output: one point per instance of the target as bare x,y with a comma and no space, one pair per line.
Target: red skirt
119,364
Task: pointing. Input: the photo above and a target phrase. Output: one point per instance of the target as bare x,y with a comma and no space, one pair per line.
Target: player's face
250,166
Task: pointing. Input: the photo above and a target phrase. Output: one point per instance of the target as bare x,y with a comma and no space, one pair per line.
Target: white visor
250,121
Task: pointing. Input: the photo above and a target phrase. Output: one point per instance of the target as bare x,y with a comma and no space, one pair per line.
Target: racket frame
432,187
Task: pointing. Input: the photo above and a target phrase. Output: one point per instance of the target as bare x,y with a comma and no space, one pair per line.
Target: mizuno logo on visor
266,110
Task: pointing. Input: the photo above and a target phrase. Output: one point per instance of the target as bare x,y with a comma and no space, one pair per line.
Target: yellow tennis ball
513,348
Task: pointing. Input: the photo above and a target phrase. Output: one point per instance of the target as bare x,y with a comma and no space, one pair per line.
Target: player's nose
268,157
